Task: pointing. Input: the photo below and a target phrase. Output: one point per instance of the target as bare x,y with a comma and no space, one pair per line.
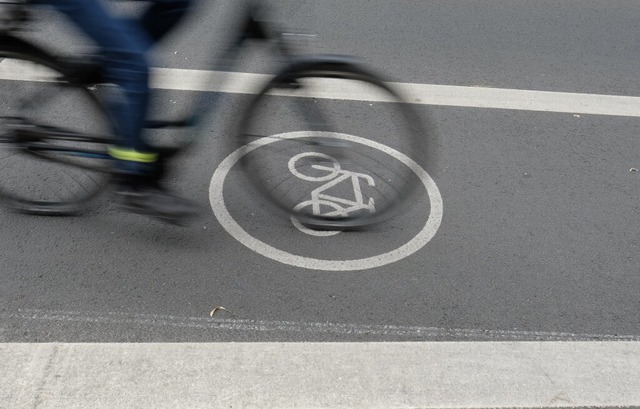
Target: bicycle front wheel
49,150
333,145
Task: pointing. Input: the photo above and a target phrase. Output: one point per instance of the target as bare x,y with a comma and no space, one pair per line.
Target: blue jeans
123,47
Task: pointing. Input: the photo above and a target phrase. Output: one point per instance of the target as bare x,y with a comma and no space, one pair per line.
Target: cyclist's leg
123,46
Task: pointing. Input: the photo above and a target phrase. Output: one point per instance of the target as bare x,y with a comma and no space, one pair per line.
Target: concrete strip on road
331,375
424,94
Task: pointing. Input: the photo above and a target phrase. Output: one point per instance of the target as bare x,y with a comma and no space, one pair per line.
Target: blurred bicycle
318,109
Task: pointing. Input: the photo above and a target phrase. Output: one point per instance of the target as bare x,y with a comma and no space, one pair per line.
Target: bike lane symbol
426,233
340,207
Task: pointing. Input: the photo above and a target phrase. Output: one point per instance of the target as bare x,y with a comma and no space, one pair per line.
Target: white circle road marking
430,228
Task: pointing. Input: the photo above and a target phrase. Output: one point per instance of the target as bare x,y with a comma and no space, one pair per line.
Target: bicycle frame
295,77
253,30
30,137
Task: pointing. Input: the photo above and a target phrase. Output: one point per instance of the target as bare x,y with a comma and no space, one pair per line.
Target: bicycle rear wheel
50,152
333,145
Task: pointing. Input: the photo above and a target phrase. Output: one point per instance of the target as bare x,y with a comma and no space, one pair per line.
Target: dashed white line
394,331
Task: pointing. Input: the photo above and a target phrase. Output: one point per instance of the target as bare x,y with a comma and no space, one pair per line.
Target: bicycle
53,142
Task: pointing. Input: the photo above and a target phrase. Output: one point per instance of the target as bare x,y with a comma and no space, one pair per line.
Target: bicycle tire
397,141
57,170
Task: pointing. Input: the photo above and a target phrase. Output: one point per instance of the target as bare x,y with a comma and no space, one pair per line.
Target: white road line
424,94
395,331
321,375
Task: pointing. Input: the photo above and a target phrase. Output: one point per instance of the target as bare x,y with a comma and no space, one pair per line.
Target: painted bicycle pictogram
432,219
327,205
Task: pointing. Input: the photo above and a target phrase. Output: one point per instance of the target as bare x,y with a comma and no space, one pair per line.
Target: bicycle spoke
369,182
49,122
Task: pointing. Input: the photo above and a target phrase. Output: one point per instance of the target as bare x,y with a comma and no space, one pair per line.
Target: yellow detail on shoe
132,155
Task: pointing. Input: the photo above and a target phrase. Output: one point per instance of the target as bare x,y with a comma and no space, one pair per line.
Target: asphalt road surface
540,211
